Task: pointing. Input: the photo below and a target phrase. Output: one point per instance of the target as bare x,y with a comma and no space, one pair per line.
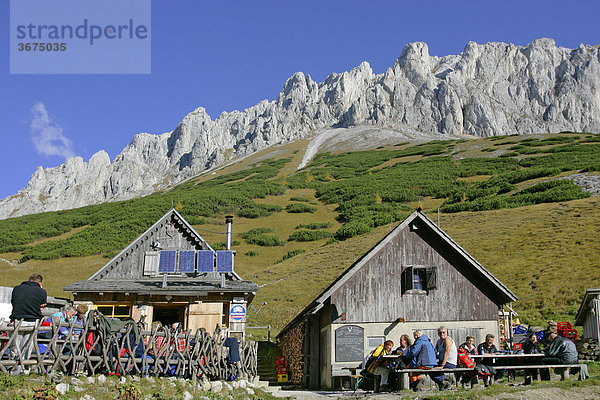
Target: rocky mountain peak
488,89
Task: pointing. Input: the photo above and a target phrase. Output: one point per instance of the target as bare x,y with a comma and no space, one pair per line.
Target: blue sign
237,312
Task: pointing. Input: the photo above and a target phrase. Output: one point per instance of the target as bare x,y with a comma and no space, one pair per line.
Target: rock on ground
62,388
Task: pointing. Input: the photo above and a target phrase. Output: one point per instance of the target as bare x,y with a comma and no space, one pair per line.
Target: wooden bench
348,370
562,369
403,374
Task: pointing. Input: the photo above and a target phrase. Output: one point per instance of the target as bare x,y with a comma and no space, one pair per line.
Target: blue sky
230,55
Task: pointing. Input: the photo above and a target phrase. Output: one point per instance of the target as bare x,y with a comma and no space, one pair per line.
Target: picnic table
505,358
506,361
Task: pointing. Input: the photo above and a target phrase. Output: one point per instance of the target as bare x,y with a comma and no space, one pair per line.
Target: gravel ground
542,393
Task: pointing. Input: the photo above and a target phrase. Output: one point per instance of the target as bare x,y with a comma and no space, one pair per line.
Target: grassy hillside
295,231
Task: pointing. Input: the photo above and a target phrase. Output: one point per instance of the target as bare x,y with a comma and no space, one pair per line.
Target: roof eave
582,312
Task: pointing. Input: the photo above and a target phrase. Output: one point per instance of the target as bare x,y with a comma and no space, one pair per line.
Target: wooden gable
140,258
382,289
371,290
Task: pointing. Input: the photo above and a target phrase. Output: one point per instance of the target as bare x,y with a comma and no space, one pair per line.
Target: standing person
447,356
27,301
423,356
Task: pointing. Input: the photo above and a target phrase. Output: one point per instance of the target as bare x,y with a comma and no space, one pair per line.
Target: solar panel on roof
186,261
166,262
224,261
206,260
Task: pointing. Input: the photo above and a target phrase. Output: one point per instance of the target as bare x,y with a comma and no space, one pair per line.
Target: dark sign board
349,343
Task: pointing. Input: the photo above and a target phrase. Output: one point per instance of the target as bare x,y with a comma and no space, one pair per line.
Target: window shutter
431,277
407,279
151,259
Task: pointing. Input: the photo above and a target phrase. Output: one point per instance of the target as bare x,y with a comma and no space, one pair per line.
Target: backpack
93,348
463,359
484,370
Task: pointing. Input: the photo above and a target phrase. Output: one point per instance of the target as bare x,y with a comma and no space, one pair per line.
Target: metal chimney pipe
228,222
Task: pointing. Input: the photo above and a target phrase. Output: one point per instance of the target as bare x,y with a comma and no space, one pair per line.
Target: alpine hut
171,274
416,277
589,314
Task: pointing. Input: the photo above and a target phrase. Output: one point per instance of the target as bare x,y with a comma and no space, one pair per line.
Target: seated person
469,346
79,319
156,348
423,356
63,316
470,350
532,346
447,356
405,343
560,351
376,364
487,347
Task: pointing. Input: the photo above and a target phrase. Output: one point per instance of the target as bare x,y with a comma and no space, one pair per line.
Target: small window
122,311
115,311
374,341
418,279
105,310
225,315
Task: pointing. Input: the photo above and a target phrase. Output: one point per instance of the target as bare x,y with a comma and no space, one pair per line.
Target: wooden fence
158,353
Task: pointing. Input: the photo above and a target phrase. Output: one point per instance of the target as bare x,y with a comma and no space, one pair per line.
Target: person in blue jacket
63,316
423,356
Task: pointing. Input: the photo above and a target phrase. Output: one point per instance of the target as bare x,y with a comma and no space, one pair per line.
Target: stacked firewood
588,350
291,344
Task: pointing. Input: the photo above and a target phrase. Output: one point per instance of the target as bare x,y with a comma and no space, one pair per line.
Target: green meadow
503,199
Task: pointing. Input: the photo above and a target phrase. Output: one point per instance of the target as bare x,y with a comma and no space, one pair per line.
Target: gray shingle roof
175,285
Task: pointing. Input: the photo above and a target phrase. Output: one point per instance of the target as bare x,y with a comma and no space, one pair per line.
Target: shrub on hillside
353,228
300,198
545,192
259,237
315,225
290,254
309,236
223,245
300,208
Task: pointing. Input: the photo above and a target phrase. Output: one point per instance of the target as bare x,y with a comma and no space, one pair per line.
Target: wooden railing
87,349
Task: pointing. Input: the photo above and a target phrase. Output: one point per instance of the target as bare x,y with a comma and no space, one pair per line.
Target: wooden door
205,315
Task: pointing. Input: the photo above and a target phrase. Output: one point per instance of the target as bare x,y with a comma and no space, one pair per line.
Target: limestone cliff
488,89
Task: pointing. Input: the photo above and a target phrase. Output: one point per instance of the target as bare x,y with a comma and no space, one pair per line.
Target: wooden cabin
171,274
417,277
589,314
